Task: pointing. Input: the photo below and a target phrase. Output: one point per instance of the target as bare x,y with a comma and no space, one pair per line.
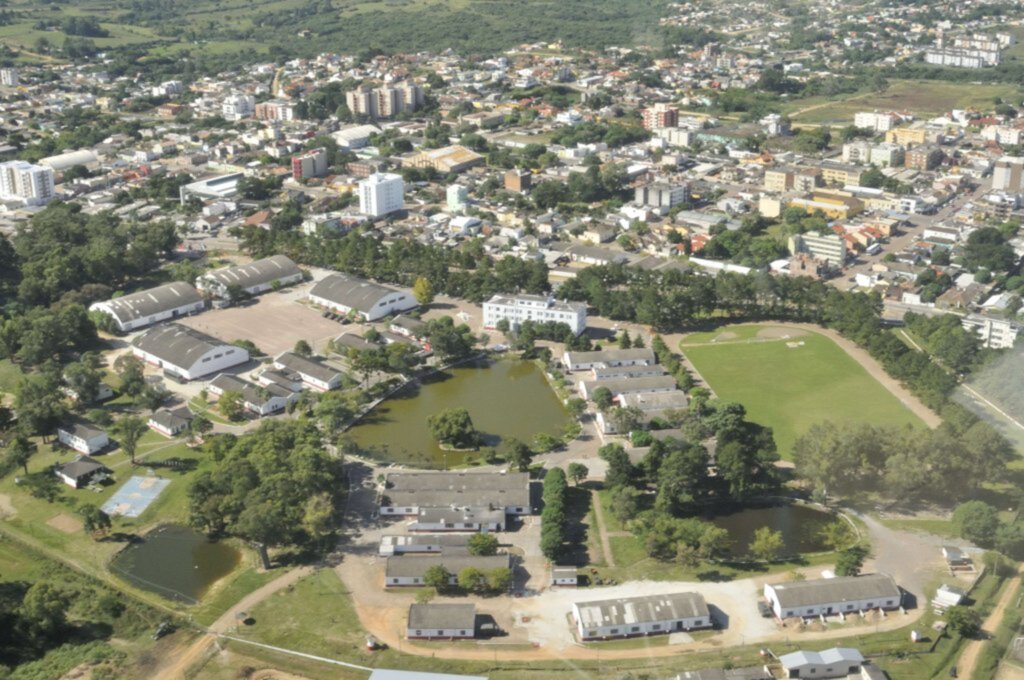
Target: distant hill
307,27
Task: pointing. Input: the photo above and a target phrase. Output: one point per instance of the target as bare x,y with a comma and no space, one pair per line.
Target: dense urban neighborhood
591,339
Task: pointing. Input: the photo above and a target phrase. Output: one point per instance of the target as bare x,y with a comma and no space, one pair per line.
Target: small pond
176,562
800,525
505,398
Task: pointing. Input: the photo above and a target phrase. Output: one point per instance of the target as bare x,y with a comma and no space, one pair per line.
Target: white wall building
873,120
831,596
646,615
186,352
238,106
9,77
381,193
22,181
538,308
148,307
994,332
253,278
82,437
441,621
343,294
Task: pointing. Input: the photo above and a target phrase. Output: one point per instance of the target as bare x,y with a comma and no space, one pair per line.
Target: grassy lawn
921,97
791,388
939,527
10,375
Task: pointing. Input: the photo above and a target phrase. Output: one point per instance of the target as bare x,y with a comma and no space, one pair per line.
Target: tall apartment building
662,195
9,77
828,247
313,163
518,180
538,308
857,153
381,193
22,181
887,155
924,157
238,106
456,197
1008,174
386,101
661,115
275,109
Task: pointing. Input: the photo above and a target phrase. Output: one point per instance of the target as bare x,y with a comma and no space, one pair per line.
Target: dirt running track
859,355
969,659
199,648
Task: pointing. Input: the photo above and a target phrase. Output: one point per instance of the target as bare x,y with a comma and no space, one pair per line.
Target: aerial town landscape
590,339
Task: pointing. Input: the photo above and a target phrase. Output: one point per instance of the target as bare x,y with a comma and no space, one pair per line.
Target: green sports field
791,383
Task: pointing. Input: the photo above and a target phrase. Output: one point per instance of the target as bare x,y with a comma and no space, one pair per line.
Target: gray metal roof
444,489
256,273
80,428
352,292
548,302
605,355
176,344
307,366
612,372
385,674
406,566
172,419
81,467
829,656
619,385
631,610
152,301
795,594
257,395
442,616
481,515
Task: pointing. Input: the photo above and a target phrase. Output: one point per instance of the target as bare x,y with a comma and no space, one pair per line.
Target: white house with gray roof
441,621
253,278
607,358
313,372
622,386
829,596
263,400
409,571
837,662
342,294
82,437
151,306
645,615
185,352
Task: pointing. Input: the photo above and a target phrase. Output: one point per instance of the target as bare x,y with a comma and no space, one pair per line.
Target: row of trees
980,523
942,465
553,517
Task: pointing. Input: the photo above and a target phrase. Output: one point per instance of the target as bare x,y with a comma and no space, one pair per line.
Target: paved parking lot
274,321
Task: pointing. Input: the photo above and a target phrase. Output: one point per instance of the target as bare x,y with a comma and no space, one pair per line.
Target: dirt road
969,659
182,662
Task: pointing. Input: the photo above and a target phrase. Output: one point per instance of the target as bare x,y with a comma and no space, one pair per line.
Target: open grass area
789,385
10,376
920,97
938,527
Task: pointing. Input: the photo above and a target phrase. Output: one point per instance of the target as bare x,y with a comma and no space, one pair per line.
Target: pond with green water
506,398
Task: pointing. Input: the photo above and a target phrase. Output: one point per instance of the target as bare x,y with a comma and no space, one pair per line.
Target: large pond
800,525
176,562
505,398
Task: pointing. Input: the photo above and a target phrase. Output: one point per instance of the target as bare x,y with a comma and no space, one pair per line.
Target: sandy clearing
725,336
65,522
779,333
7,508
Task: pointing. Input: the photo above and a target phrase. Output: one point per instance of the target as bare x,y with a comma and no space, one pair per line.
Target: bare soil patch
776,333
725,336
65,522
7,508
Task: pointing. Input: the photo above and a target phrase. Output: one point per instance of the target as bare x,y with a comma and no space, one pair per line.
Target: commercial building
446,160
607,358
253,278
646,615
355,136
381,193
441,622
406,493
828,596
312,371
69,159
409,571
837,205
661,115
838,662
275,109
148,307
828,247
82,437
345,294
27,183
313,163
538,308
185,352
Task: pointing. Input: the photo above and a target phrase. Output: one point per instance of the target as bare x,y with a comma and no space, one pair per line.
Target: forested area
274,487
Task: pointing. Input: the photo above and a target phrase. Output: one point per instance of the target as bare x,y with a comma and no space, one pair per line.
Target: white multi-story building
9,77
538,308
381,193
888,155
874,120
22,181
994,332
1002,134
384,102
275,109
856,153
238,106
456,197
1008,174
962,58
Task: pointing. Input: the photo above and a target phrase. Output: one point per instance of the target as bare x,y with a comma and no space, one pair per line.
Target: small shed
564,576
956,558
947,596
